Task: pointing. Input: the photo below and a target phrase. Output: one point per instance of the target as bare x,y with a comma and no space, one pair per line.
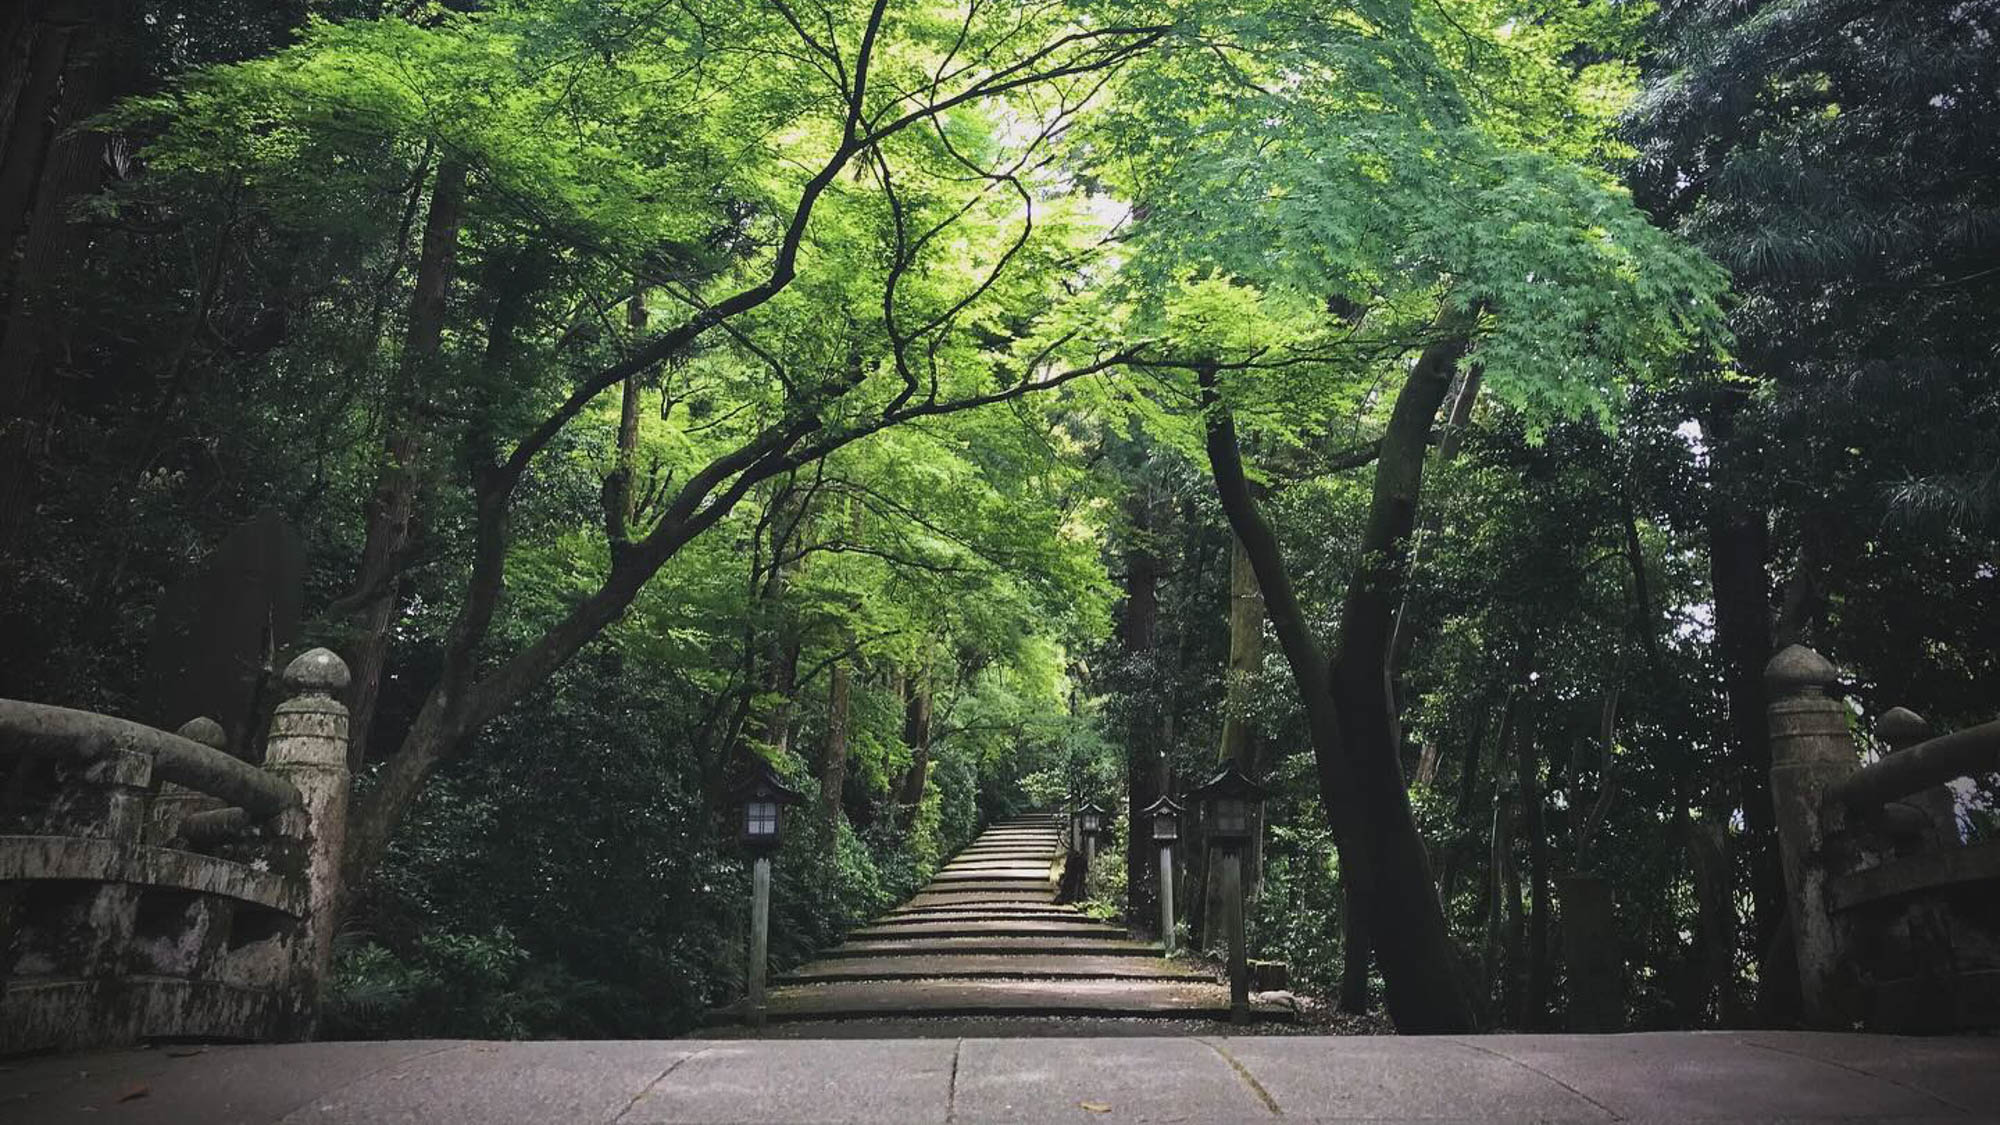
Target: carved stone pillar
1811,752
308,747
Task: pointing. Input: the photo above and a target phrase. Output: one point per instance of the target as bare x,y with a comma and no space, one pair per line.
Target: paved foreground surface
1715,1076
986,939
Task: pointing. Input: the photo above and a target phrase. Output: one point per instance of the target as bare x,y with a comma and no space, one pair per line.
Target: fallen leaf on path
135,1093
1096,1107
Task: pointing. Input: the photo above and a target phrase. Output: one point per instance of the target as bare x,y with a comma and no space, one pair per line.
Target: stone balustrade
154,887
1893,916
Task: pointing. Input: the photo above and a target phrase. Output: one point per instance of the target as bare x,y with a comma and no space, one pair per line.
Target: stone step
1008,871
996,863
1011,909
1114,998
989,883
943,905
1032,946
1023,928
928,919
1042,859
965,897
984,966
1036,876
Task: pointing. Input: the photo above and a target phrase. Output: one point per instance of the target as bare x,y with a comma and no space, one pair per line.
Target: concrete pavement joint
1248,1079
654,1084
1610,1113
951,1087
1936,1097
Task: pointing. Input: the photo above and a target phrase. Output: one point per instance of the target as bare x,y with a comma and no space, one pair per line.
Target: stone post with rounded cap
308,747
1812,751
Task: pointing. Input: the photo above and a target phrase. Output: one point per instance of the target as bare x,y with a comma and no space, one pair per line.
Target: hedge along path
986,937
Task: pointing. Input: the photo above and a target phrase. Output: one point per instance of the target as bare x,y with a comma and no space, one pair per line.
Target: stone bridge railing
1896,919
154,887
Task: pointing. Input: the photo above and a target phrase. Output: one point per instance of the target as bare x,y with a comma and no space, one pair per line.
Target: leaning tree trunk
1346,700
1399,908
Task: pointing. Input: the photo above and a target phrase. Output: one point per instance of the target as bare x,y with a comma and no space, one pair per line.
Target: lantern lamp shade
1229,805
1165,814
1090,818
760,800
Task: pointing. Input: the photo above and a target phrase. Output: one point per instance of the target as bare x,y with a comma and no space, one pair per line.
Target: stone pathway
986,938
1697,1076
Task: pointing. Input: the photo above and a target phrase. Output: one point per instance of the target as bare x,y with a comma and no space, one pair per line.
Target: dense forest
1441,408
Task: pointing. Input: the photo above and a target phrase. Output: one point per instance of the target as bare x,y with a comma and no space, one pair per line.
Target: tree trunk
1533,1011
1354,945
65,60
833,771
392,509
1347,705
1137,636
618,486
1402,910
1739,546
1404,637
917,735
1239,738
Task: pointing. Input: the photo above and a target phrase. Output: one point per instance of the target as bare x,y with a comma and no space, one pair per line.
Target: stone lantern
1230,807
761,801
1165,817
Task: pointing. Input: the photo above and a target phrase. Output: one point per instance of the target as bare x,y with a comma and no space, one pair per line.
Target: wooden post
1811,753
1167,898
1089,852
1232,905
760,933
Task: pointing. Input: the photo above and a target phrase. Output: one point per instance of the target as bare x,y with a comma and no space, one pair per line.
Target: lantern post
1229,814
1165,815
761,801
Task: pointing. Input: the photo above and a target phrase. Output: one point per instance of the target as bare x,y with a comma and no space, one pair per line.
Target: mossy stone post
174,803
308,747
1812,752
1900,729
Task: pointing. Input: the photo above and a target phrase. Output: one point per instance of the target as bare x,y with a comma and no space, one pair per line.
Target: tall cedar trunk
1533,1011
393,504
1346,700
1499,867
1715,920
1239,738
64,62
917,735
1137,636
833,770
1739,547
1402,897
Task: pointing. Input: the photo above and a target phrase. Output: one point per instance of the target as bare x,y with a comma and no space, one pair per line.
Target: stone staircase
986,938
